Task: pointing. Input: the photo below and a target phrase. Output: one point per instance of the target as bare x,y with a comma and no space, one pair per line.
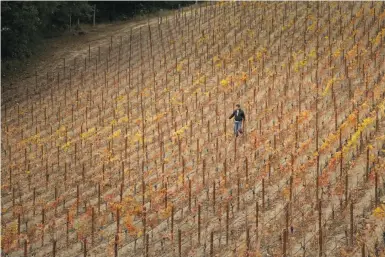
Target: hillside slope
128,150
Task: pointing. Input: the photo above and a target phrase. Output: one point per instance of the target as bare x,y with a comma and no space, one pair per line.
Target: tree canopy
25,23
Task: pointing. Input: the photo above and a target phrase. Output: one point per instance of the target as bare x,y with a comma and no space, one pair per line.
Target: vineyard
127,149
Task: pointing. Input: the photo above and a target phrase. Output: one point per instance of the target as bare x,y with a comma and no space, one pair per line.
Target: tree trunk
93,22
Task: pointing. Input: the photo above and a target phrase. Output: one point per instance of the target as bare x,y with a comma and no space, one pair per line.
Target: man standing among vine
239,117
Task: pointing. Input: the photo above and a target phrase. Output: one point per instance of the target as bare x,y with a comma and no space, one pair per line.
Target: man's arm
232,115
243,115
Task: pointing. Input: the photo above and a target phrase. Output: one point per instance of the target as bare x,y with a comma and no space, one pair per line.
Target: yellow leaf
66,146
120,98
179,68
116,134
180,179
337,53
224,82
286,192
123,119
137,137
328,86
379,212
88,133
312,54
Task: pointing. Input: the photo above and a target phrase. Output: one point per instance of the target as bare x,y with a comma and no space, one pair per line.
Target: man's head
238,106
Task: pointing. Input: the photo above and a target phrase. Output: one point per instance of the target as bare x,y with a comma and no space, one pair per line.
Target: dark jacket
239,117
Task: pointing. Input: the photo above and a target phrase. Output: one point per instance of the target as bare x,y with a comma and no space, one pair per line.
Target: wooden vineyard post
116,245
317,187
25,248
351,225
121,191
13,196
227,223
208,130
216,149
203,171
118,219
197,149
77,199
248,239
214,196
18,229
247,170
263,194
172,222
183,168
346,188
238,192
189,195
34,199
235,148
191,129
179,148
296,131
55,200
342,154
85,247
65,175
291,189
99,198
284,233
320,228
199,224
67,227
125,147
376,196
10,170
287,223
42,222
367,163
54,248
58,157
92,225
225,171
143,188
256,219
212,244
165,196
47,175
144,221
180,242
76,147
83,172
